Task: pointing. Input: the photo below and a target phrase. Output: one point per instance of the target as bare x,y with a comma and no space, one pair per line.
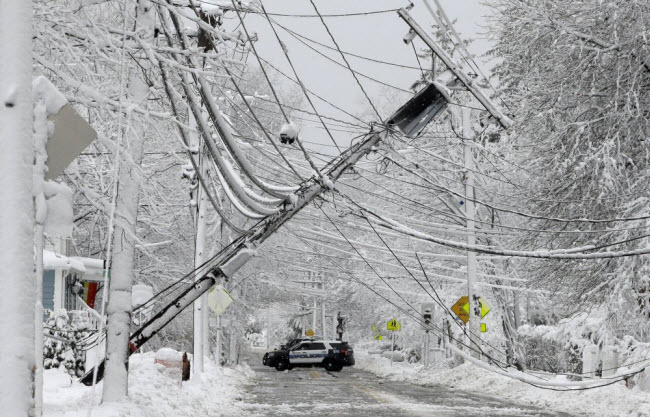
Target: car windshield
336,346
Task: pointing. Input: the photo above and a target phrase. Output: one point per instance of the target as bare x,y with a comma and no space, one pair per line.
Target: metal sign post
394,326
392,348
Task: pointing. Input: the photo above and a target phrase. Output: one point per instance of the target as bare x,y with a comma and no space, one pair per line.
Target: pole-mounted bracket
503,120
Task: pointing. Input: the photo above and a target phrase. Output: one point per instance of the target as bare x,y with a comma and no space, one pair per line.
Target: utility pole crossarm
504,120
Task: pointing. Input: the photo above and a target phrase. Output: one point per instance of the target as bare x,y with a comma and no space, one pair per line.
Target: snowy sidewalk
151,393
612,401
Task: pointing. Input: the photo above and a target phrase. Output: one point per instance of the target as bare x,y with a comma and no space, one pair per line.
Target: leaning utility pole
16,211
418,111
474,324
244,248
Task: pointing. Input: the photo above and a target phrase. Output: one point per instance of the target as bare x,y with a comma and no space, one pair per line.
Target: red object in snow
92,293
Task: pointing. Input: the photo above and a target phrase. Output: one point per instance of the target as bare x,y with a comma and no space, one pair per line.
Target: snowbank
613,401
151,393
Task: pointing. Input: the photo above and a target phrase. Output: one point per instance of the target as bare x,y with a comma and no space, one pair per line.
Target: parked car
332,355
268,358
293,342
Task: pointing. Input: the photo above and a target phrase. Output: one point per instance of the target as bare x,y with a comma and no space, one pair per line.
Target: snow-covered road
353,392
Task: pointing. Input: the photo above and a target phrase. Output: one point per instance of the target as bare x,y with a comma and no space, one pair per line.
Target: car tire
330,365
282,364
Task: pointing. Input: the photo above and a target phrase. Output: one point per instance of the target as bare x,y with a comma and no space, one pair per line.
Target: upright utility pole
322,308
474,324
16,211
314,313
200,305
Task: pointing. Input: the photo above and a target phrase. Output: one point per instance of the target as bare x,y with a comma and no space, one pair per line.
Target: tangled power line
231,169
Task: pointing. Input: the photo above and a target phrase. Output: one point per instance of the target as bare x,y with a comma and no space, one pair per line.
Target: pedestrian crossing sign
393,325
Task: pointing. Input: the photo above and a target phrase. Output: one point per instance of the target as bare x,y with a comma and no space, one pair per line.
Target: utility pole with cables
474,324
241,250
322,310
17,210
199,199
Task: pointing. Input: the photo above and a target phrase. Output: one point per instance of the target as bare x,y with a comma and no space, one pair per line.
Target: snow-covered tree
576,75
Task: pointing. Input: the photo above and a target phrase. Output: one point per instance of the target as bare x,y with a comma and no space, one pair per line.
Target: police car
332,355
269,357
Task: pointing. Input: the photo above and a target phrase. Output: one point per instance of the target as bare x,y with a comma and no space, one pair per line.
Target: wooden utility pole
474,324
462,77
199,197
17,297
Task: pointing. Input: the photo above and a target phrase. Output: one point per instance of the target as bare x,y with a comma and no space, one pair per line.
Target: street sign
483,327
459,309
309,333
377,335
393,325
219,299
485,307
71,134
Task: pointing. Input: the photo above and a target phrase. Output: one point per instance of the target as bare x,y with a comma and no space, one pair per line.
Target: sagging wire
363,90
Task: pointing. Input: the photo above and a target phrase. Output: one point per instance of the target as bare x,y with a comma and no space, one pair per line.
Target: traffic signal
427,316
426,311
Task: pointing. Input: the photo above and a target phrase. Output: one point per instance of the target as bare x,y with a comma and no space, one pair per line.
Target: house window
48,291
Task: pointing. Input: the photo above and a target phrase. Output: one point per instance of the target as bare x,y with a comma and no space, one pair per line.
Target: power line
295,73
378,61
275,95
346,66
314,94
352,14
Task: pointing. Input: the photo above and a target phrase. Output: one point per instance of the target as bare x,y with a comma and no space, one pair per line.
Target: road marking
314,374
368,392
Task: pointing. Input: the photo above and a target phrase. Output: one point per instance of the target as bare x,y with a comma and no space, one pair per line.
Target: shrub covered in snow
67,337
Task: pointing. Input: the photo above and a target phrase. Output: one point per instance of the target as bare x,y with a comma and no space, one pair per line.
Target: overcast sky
377,36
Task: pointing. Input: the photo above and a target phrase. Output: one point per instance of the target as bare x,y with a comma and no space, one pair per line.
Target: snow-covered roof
91,268
53,260
94,268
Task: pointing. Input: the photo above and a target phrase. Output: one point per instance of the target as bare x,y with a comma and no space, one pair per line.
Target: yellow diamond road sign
219,299
461,308
485,307
309,333
393,325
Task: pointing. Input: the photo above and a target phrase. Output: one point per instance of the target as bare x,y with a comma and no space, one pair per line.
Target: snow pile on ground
614,400
151,392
